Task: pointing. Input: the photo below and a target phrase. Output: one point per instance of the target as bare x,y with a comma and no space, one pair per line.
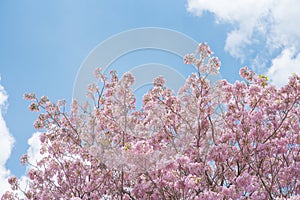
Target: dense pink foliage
210,141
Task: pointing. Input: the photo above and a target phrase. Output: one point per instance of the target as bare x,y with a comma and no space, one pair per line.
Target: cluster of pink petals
204,63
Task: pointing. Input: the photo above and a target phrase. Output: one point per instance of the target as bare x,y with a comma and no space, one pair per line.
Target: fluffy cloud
33,151
283,66
34,155
263,26
6,143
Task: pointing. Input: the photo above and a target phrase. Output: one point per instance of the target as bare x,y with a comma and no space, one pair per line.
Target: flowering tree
209,141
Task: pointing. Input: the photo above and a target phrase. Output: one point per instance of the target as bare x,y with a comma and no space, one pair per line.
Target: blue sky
44,43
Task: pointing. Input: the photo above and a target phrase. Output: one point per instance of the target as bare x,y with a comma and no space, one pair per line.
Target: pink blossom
29,96
34,107
189,59
159,81
13,181
24,159
204,50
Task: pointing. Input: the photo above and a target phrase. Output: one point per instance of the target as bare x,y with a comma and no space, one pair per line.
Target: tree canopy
211,140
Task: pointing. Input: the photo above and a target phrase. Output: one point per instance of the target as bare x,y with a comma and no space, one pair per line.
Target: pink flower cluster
205,63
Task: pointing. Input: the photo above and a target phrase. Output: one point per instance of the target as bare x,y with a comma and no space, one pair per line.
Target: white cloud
283,66
285,30
3,97
247,16
265,25
6,143
34,155
236,42
33,151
